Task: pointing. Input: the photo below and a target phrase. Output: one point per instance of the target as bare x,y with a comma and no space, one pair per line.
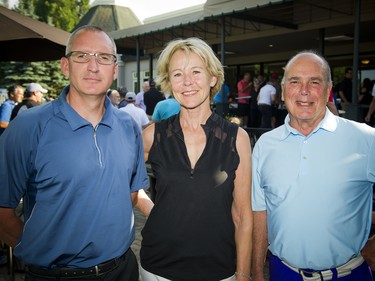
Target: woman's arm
143,202
241,208
148,139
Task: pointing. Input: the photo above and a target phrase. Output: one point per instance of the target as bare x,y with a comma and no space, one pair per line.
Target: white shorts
148,276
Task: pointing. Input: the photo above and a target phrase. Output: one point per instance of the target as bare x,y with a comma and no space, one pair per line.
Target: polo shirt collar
75,120
329,123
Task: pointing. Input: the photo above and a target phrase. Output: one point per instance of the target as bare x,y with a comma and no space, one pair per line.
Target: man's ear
64,65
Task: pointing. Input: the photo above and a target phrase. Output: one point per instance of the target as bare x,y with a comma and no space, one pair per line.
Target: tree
63,14
5,3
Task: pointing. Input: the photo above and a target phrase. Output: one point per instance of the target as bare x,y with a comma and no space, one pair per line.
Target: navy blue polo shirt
76,181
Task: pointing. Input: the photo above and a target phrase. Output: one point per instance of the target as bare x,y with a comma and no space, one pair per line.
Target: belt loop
321,276
96,270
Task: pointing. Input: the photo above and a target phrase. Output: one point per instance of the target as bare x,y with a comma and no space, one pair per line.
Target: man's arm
368,252
243,87
241,207
10,226
4,125
332,107
260,244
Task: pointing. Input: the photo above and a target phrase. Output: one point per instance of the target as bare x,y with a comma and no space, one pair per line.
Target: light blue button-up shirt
317,191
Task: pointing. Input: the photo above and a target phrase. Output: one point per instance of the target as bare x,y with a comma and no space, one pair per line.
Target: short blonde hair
200,48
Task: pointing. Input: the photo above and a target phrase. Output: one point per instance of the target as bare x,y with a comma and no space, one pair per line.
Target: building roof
25,39
263,30
223,7
109,16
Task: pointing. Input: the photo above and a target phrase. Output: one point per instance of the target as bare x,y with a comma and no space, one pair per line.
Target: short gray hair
83,28
315,55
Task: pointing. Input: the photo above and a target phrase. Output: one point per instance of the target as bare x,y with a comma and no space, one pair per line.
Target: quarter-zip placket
97,146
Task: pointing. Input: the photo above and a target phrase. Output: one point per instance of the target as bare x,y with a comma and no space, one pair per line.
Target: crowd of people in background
18,101
258,102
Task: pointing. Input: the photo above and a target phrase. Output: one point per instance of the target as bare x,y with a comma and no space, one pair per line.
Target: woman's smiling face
189,79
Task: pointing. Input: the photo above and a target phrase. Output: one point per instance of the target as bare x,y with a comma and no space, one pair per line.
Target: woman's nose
188,80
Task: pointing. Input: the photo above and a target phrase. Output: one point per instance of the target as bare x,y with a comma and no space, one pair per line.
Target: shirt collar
329,123
75,120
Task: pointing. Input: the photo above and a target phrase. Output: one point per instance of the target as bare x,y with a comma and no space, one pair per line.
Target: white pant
148,276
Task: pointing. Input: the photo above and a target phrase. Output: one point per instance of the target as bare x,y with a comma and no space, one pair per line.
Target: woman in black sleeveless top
200,227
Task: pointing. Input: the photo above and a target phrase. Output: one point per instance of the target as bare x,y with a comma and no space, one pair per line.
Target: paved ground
139,222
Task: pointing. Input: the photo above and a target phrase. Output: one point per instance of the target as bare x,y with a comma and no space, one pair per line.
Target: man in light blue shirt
219,96
165,109
15,94
312,184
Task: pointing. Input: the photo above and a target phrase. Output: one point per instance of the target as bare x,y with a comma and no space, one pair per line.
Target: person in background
244,95
114,97
254,110
165,109
78,164
266,101
122,91
138,114
15,96
139,101
371,109
345,88
331,104
222,105
218,97
32,97
365,96
313,222
261,81
151,98
201,225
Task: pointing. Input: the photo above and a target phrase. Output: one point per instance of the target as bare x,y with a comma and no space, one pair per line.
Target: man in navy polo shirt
78,164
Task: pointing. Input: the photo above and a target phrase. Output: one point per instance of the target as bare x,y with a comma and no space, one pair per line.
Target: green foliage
5,3
48,74
27,8
63,14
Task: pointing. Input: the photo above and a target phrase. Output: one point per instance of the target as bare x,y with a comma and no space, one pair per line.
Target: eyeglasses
84,57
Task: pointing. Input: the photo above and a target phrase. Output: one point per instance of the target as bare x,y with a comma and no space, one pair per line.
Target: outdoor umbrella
25,39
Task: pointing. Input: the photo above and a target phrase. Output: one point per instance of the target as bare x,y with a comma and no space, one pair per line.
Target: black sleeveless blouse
189,234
